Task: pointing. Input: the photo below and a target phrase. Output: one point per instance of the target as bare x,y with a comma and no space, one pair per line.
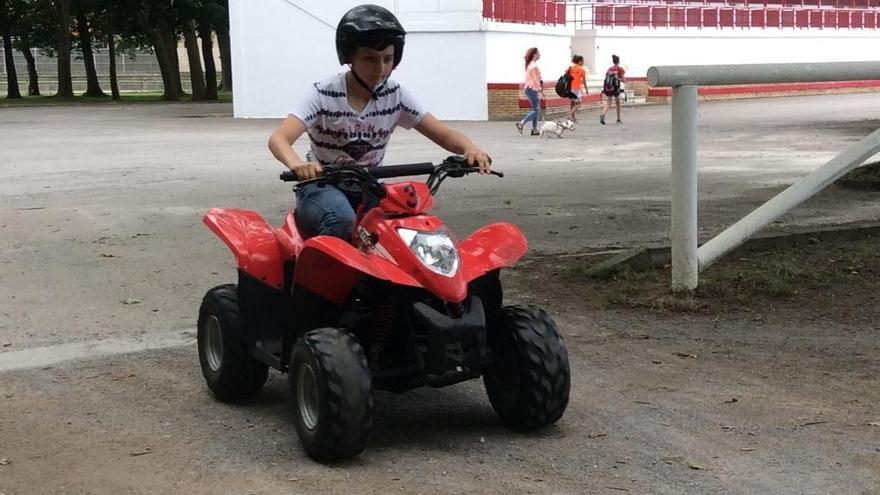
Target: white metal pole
713,75
685,265
794,195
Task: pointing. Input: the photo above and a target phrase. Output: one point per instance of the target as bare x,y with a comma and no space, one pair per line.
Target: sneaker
602,119
619,121
519,127
535,132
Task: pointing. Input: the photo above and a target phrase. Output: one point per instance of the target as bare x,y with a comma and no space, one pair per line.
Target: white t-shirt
341,135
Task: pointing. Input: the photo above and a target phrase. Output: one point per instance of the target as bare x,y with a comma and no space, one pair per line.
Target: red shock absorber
386,314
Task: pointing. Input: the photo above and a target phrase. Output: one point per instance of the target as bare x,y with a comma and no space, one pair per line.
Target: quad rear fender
330,267
499,245
252,240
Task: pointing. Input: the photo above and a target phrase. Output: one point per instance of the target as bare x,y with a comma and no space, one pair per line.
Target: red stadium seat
660,17
787,18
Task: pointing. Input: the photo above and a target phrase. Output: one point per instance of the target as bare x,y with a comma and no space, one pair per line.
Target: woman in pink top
533,88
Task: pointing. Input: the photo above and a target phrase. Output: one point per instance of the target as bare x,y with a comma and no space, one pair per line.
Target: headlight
435,250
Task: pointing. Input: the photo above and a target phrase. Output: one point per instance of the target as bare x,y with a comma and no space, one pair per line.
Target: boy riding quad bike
403,305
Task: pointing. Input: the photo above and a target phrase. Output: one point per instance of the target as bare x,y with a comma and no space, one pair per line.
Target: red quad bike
405,304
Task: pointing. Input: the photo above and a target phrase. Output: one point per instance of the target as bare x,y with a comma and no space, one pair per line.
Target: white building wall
281,47
278,49
641,48
506,46
451,81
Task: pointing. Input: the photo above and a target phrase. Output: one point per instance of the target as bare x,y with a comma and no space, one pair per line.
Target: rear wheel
529,378
231,372
331,387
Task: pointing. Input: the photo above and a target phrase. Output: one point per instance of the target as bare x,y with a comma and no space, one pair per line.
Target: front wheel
331,386
231,372
529,378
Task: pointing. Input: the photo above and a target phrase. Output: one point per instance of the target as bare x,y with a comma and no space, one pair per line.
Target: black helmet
369,26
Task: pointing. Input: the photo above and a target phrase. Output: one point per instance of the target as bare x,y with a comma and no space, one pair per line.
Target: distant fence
126,63
547,12
719,17
136,71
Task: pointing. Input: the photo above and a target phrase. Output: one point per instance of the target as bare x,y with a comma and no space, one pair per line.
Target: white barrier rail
687,258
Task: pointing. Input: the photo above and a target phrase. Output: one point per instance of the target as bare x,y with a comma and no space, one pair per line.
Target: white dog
556,127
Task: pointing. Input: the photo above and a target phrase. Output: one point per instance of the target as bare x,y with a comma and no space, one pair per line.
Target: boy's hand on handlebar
478,158
307,170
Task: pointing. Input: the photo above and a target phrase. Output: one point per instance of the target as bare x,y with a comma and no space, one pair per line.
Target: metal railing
547,12
721,17
687,259
830,4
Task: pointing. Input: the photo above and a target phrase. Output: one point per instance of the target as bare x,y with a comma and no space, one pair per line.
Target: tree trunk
196,76
210,68
33,78
85,37
225,57
65,83
171,40
111,52
161,48
12,90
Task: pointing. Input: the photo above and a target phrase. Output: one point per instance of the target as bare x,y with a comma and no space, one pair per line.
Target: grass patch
866,176
827,276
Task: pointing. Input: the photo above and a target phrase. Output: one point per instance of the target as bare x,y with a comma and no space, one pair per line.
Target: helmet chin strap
374,93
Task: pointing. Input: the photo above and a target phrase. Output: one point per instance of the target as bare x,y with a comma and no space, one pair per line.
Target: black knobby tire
331,388
529,378
232,374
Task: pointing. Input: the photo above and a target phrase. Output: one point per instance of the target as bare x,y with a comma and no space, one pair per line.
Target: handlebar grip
386,171
288,176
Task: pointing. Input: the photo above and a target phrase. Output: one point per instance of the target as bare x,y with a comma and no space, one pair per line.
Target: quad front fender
498,245
330,267
251,240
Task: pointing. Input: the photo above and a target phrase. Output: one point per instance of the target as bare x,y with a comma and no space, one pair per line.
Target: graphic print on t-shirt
341,136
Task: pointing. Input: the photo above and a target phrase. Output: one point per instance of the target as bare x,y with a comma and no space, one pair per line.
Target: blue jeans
323,209
532,116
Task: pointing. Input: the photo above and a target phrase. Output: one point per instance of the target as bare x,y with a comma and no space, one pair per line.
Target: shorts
575,95
609,94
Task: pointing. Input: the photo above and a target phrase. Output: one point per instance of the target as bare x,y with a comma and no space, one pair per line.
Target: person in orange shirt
578,85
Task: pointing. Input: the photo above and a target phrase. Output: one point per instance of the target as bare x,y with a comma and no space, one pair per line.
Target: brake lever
461,172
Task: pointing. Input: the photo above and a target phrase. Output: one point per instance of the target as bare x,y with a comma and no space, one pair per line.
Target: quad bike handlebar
454,166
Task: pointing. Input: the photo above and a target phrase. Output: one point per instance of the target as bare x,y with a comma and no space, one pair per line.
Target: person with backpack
578,77
614,76
533,88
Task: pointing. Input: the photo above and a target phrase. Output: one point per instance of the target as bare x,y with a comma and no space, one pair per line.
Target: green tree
210,17
221,27
35,31
122,29
65,81
85,10
10,12
159,22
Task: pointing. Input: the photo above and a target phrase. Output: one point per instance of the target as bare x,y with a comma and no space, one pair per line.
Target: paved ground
102,205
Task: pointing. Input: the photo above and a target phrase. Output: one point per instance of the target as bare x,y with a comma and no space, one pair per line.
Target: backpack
612,82
563,85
